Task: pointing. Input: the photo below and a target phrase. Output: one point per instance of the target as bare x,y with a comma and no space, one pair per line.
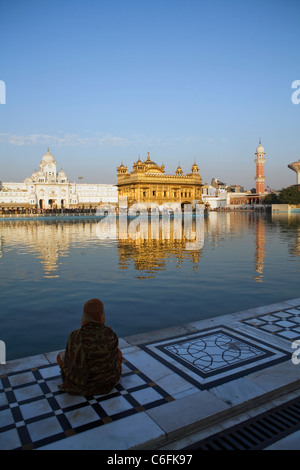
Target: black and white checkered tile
35,412
284,323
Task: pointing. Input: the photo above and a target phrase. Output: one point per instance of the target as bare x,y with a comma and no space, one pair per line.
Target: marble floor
175,383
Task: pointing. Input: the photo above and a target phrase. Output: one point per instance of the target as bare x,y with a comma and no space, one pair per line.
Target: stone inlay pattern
214,356
35,412
283,323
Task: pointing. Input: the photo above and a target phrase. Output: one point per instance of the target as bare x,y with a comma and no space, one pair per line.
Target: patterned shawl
92,360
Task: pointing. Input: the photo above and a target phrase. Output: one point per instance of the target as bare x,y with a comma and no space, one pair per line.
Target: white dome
48,158
260,149
62,177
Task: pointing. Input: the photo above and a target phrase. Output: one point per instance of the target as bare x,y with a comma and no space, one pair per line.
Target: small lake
148,275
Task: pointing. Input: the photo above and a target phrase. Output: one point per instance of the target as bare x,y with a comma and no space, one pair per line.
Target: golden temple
147,183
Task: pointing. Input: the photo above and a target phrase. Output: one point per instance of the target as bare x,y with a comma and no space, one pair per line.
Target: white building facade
49,189
215,198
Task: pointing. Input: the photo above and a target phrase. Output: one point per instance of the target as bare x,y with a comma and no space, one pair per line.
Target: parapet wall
284,207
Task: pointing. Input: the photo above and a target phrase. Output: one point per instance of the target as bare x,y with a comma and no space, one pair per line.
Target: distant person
92,361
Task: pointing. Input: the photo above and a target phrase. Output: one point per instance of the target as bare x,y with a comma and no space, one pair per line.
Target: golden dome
179,170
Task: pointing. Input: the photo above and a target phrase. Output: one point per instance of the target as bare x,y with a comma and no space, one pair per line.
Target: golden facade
147,183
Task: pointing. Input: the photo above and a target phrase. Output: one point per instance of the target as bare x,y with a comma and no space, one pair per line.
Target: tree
271,198
290,195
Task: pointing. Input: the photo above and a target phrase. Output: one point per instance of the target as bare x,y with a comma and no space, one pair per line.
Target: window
165,193
153,193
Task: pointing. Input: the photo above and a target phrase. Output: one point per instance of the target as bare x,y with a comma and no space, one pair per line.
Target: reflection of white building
48,188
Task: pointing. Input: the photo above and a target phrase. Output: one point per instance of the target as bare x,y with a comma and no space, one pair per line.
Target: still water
147,278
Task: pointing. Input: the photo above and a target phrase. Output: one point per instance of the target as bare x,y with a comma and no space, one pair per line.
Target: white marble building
215,198
49,188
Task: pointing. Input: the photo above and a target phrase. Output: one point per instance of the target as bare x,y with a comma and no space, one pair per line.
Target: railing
93,213
48,215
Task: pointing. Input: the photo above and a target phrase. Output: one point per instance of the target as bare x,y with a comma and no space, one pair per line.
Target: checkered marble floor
283,323
172,380
34,412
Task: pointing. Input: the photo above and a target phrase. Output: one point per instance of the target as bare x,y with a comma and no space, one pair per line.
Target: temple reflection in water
146,245
151,244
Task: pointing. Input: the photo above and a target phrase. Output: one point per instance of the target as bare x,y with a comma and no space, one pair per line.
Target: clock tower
260,169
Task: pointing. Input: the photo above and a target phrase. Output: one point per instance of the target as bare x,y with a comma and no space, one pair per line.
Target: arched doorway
52,203
185,203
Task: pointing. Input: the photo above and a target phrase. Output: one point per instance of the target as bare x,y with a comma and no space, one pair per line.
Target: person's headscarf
92,363
93,311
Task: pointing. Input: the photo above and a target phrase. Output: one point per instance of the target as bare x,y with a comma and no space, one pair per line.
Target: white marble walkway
176,384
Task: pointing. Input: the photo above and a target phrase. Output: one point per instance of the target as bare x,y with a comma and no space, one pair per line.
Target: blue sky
100,82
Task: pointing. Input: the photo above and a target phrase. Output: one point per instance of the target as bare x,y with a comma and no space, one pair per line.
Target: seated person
92,361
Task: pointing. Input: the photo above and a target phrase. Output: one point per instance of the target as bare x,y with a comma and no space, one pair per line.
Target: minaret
260,169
